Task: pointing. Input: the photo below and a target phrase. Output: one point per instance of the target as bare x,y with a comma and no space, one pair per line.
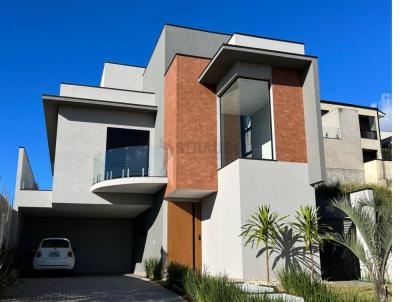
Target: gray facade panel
191,42
313,125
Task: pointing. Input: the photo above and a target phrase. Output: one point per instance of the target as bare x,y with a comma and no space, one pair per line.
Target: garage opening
102,245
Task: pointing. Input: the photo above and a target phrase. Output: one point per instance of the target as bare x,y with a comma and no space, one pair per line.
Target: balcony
132,169
331,132
369,134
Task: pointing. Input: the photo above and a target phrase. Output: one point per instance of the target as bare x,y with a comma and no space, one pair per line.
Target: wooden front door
184,233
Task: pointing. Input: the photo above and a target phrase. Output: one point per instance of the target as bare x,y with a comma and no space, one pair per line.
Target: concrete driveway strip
87,288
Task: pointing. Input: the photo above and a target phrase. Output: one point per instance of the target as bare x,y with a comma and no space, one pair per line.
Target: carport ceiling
84,210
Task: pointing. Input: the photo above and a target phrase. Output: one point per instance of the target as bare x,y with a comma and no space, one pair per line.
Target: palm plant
263,227
371,239
308,226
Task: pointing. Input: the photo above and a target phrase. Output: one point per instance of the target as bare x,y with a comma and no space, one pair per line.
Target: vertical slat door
184,233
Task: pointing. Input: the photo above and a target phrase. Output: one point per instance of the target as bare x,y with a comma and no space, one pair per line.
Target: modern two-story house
170,159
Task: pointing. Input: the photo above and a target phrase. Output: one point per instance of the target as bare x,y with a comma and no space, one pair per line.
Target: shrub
7,273
154,268
175,275
313,289
205,288
200,287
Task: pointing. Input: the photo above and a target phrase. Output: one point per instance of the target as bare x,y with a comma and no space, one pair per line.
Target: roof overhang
51,104
227,55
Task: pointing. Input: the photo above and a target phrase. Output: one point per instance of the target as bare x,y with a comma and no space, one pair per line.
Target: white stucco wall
81,136
265,43
378,172
122,76
221,222
282,185
243,186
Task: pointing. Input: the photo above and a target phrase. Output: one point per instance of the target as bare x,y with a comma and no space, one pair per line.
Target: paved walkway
87,288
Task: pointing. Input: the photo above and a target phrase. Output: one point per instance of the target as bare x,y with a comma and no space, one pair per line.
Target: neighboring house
352,144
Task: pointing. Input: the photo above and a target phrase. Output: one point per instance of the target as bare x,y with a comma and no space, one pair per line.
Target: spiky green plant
371,239
300,283
7,273
175,276
154,268
309,227
263,227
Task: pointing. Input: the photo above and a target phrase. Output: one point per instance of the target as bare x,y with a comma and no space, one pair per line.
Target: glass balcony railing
132,161
370,134
331,132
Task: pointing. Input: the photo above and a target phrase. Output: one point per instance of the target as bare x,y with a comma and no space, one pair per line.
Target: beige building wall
378,172
343,154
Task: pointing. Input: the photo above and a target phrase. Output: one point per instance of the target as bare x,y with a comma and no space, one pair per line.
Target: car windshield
55,243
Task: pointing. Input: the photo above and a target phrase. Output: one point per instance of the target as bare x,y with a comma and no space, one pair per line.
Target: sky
44,43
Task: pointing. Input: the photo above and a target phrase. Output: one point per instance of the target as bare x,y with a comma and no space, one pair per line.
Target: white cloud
385,105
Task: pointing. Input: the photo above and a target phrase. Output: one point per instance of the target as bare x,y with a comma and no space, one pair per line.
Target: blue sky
43,43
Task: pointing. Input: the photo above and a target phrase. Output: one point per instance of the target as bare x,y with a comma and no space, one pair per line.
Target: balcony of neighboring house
331,124
331,132
129,164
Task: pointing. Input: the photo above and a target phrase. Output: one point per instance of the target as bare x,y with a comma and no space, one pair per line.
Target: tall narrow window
245,121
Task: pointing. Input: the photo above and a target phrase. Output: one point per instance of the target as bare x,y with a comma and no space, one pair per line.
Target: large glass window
245,121
127,153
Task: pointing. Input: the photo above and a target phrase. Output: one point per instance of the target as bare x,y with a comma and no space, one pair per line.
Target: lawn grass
365,290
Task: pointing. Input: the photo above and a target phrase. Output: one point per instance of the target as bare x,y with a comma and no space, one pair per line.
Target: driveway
87,288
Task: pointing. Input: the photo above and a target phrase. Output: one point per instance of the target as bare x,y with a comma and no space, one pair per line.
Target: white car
54,253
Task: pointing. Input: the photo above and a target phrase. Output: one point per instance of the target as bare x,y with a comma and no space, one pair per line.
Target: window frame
271,119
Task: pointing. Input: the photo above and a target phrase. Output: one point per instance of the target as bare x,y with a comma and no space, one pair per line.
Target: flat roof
352,105
228,54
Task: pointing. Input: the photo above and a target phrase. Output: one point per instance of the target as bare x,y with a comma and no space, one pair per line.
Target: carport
106,239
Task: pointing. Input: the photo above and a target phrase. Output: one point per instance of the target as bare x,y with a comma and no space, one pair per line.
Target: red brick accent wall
190,129
290,136
231,137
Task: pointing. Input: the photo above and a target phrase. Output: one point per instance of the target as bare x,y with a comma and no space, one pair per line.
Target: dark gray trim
109,88
260,54
269,50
